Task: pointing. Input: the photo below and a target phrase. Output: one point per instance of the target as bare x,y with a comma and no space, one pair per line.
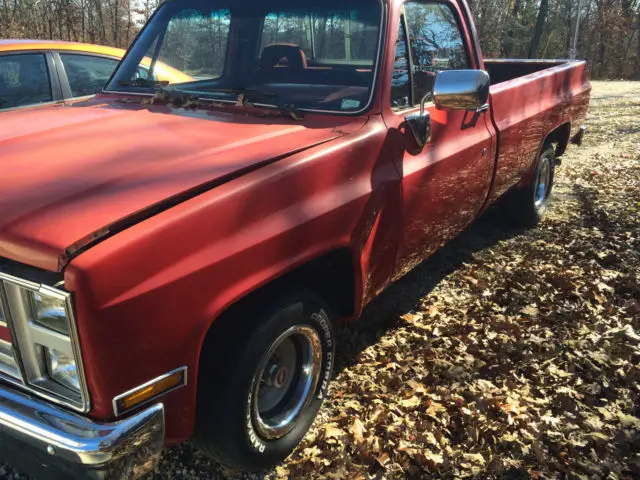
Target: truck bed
505,69
530,101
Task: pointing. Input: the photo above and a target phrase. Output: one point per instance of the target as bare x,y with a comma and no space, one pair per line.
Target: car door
27,79
445,184
83,74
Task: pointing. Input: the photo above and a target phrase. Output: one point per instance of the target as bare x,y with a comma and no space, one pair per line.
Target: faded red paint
5,334
146,297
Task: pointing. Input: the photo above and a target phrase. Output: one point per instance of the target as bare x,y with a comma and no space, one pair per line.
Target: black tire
228,427
525,206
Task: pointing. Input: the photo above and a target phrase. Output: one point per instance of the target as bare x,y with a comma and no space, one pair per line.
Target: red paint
146,296
5,334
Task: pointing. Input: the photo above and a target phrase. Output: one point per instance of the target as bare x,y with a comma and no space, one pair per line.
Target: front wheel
256,404
527,205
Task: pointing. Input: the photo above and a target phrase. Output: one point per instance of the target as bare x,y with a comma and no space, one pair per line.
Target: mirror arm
427,96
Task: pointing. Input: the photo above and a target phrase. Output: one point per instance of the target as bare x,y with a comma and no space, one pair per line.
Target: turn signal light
150,390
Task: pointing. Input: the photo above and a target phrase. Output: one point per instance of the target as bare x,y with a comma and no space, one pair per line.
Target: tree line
609,33
608,36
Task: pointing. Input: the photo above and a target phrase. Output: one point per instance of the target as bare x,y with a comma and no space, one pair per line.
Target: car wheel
527,205
258,402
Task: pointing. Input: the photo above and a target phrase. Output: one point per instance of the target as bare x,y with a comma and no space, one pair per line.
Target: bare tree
609,29
543,10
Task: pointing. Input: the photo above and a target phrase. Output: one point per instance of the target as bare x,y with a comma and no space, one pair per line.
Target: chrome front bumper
49,442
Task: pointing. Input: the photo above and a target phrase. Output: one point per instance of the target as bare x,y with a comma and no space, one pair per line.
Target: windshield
316,55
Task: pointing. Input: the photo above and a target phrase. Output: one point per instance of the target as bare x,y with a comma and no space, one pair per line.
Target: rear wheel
257,402
527,205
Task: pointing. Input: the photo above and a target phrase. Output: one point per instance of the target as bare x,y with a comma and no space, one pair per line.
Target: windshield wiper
288,110
243,99
241,93
190,99
143,82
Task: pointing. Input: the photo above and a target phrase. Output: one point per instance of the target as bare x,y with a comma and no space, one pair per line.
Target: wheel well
330,275
560,138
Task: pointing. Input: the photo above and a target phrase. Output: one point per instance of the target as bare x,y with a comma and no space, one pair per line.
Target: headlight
50,335
62,368
45,338
50,312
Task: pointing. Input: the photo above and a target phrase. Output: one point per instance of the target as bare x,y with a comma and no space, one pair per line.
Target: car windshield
315,54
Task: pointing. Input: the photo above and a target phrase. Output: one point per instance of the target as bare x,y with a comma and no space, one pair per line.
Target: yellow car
44,72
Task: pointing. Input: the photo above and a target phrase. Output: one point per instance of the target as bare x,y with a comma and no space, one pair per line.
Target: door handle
483,108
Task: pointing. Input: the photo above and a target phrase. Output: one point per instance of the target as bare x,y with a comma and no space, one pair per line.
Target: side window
400,82
86,73
24,80
436,43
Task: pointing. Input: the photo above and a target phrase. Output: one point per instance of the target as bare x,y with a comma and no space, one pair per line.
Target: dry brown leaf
474,458
435,408
411,402
383,459
416,386
331,431
435,458
357,430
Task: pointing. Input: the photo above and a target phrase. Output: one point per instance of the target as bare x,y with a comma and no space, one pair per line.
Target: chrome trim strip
72,440
8,364
3,313
147,384
557,61
23,321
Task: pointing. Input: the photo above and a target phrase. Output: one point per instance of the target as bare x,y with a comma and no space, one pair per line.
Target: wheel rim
543,182
285,381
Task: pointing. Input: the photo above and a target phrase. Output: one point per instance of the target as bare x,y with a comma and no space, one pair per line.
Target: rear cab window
340,37
24,80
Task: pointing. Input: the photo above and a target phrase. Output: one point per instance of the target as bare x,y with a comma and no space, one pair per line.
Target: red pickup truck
173,257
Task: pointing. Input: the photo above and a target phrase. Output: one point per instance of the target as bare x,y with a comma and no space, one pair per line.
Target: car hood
70,173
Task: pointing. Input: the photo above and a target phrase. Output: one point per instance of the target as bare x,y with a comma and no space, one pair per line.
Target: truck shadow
384,313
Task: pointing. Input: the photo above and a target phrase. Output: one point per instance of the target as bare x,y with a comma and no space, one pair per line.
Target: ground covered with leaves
510,354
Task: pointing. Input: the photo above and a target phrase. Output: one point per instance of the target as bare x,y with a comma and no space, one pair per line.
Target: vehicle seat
281,62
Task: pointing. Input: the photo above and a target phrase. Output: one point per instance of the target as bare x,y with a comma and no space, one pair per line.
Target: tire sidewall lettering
254,440
325,329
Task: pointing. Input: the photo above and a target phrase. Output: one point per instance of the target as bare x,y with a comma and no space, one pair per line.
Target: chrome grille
8,362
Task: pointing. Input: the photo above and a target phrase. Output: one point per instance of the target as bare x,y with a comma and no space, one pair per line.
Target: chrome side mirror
419,124
461,89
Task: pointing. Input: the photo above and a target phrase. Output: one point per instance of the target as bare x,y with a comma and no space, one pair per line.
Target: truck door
445,184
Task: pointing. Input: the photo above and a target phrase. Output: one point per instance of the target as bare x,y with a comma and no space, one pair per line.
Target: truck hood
69,174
